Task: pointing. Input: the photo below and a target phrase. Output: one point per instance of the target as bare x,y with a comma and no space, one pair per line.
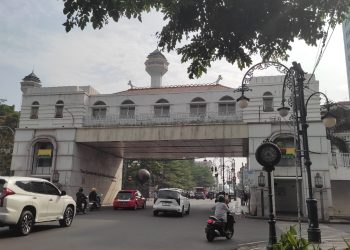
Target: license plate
165,204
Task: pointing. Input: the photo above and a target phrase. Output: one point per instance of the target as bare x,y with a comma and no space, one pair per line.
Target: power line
324,44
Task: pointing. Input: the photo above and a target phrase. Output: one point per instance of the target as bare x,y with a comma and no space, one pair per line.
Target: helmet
81,190
93,189
221,198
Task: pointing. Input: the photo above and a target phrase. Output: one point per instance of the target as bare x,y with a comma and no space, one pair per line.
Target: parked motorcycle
216,227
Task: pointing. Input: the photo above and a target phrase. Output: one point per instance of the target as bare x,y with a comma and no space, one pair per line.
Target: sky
32,37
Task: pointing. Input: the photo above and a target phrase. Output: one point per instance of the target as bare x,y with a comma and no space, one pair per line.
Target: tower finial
131,85
218,80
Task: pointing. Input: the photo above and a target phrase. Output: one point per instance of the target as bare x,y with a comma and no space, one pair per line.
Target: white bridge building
80,137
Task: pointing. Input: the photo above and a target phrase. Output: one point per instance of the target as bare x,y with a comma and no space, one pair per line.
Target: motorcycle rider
93,197
81,200
221,210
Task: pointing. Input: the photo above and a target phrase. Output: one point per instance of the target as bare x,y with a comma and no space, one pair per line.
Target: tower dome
30,81
156,67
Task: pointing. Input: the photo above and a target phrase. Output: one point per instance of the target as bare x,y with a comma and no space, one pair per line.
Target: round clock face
268,155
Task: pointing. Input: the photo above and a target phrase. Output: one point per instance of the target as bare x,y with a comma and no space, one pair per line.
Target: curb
251,245
346,222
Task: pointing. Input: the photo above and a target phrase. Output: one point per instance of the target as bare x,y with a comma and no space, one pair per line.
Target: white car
25,201
171,200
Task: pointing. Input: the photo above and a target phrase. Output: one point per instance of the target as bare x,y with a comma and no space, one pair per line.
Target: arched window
42,158
59,109
127,109
267,102
198,107
227,106
99,110
34,113
162,108
287,146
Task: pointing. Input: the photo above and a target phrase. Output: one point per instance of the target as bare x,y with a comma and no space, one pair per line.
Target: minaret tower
156,66
30,81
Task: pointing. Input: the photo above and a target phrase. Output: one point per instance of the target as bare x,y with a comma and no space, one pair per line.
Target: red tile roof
177,89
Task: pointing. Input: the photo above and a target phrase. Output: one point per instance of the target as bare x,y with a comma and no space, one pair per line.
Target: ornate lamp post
214,170
261,183
319,185
223,175
234,180
55,176
268,155
294,80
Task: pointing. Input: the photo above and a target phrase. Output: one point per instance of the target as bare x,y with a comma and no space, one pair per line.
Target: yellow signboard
288,152
45,152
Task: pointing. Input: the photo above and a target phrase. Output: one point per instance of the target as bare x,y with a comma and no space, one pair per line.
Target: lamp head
283,111
243,101
318,181
329,120
261,180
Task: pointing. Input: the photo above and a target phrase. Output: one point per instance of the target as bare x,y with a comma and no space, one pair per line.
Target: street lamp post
223,175
294,79
214,170
268,155
261,183
319,185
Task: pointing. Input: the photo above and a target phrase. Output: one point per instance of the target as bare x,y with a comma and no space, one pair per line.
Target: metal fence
339,160
150,119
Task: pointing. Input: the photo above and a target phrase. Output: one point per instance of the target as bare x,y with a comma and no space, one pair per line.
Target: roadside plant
290,241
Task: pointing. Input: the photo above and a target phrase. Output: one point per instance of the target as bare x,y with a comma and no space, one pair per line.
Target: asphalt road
135,230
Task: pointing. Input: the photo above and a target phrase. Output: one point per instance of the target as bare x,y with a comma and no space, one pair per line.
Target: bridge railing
150,119
339,160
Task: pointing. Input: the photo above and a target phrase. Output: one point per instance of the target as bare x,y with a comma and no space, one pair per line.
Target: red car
129,199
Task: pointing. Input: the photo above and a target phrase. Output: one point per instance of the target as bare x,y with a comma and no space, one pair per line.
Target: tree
184,174
202,176
8,120
216,29
342,115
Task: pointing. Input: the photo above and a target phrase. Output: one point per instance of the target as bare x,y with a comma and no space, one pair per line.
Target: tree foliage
215,29
184,174
342,115
8,119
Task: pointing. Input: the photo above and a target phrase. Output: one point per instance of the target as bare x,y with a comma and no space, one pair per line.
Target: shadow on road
5,232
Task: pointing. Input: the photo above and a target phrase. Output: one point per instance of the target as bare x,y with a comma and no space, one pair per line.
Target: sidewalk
331,238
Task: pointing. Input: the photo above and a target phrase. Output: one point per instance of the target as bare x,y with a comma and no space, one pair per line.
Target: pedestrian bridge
168,141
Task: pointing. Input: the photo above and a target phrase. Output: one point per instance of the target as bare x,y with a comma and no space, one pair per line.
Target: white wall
93,168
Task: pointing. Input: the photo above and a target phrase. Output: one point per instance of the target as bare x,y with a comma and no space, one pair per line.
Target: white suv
171,200
25,201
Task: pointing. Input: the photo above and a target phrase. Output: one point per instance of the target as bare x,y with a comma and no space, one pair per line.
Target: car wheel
144,205
25,223
155,213
67,217
182,212
188,210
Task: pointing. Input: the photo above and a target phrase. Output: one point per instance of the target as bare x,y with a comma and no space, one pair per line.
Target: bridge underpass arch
156,143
